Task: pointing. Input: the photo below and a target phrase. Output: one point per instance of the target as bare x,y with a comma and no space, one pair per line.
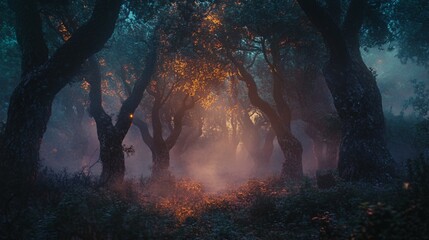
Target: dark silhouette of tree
42,77
159,146
111,135
226,41
290,146
179,84
363,153
191,133
411,23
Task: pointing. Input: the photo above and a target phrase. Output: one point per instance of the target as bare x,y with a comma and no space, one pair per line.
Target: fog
210,163
393,77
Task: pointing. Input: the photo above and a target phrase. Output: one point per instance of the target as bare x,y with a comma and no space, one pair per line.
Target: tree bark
111,136
279,81
290,146
159,146
160,152
42,78
308,102
111,154
363,153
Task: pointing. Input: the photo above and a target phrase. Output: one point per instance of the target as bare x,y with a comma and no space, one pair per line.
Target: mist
209,163
189,119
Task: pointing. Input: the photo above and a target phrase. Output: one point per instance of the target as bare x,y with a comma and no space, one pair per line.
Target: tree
191,132
159,146
111,135
231,37
65,138
181,82
11,57
42,77
410,23
293,54
363,153
290,146
259,148
420,104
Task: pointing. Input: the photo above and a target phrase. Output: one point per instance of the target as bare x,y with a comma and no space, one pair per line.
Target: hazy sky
393,77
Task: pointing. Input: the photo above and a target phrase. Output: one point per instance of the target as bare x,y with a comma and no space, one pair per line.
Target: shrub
407,215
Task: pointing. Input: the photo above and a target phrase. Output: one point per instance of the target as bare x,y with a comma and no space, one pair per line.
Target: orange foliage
194,76
212,22
186,198
85,86
66,35
102,62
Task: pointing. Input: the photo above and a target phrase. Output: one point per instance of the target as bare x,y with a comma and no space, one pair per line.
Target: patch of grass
73,207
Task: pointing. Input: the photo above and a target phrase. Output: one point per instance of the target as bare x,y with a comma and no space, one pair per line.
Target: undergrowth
66,206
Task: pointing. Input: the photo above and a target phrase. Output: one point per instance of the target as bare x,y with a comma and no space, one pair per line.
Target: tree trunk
290,146
161,148
158,147
112,159
292,151
111,153
27,120
160,159
363,153
41,79
112,135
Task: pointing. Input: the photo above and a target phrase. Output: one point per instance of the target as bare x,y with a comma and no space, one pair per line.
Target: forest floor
65,206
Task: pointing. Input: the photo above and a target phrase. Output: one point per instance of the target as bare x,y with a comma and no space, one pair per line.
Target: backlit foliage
258,209
194,76
64,32
188,199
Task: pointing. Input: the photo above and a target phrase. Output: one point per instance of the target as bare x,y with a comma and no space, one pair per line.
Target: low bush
73,206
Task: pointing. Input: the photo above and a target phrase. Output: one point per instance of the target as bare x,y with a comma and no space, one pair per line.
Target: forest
214,119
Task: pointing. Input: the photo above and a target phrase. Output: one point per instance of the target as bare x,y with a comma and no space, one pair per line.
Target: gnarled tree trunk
290,146
159,146
42,78
363,153
111,154
112,158
112,135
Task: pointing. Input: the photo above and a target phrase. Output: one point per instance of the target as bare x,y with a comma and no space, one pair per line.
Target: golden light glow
187,198
213,22
102,62
85,86
131,115
64,32
195,77
107,88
